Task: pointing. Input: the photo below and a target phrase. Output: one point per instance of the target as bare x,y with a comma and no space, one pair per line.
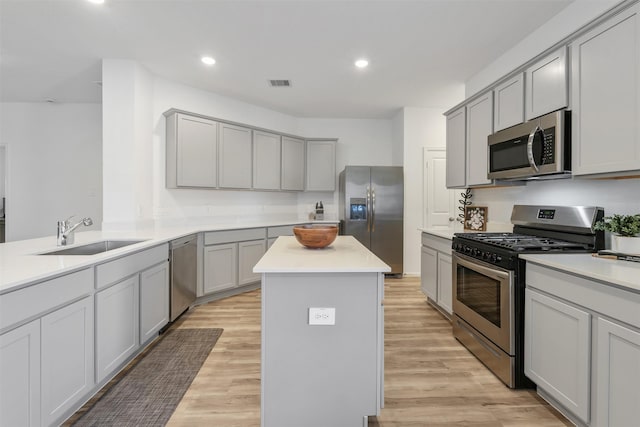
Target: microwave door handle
532,136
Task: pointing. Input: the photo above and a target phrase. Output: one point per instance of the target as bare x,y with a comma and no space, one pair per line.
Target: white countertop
20,264
624,274
345,254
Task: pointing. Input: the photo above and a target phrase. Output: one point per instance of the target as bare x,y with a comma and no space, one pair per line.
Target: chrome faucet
65,230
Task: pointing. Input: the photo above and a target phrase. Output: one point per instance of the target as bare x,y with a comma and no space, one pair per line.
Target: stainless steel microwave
538,148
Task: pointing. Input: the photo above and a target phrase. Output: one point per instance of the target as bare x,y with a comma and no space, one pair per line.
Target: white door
438,201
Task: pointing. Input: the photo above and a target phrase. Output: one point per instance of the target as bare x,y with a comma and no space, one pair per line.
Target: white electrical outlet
322,316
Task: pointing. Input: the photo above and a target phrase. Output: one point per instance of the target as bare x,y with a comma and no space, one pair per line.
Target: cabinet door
67,358
154,301
456,148
321,166
546,84
479,127
235,161
195,152
429,272
606,96
445,279
117,326
508,103
220,267
439,202
20,376
618,375
266,161
292,164
249,253
557,350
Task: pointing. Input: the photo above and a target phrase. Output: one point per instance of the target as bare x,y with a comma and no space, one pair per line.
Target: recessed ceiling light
96,1
362,63
208,60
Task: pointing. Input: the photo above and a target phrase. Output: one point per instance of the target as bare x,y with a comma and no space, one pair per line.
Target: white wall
423,127
54,165
570,19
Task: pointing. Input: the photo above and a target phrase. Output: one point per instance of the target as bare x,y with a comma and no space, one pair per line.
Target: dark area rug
150,391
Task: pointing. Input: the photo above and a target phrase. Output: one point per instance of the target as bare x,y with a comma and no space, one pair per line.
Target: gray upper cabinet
456,148
605,90
479,127
293,164
508,103
321,166
266,160
192,147
235,156
546,83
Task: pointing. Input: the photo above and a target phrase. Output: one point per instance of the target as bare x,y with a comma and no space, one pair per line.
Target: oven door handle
480,267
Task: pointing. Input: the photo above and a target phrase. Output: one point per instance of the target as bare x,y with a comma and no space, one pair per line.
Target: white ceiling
419,51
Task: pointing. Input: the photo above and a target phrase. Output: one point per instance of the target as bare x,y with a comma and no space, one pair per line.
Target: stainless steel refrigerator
371,210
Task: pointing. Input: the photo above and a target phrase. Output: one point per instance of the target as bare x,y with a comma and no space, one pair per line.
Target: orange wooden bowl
315,236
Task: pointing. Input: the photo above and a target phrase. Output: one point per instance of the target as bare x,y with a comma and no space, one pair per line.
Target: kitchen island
322,334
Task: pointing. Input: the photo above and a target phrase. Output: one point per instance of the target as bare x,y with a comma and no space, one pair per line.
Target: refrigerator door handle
368,212
373,209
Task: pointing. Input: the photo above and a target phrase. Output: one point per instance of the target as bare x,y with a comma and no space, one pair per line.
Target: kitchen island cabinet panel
20,376
618,374
154,301
266,160
235,157
192,150
117,326
606,97
293,164
547,84
67,359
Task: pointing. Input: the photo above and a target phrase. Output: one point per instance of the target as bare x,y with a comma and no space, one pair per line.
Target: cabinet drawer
283,230
113,271
215,237
438,243
33,300
597,296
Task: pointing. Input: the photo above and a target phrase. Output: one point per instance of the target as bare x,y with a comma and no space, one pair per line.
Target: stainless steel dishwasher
184,265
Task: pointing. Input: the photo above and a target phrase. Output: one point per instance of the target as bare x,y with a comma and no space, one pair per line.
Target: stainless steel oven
483,306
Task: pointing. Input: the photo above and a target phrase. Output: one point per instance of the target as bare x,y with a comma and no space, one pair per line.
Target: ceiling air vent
280,83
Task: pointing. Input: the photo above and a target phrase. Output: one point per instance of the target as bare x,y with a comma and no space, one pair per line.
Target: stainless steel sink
94,248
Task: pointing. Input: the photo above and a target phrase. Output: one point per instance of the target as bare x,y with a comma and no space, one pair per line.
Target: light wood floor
430,379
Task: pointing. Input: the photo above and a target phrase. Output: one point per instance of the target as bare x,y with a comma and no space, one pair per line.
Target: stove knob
498,258
494,257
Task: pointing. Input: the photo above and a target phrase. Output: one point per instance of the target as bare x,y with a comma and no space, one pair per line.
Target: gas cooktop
524,242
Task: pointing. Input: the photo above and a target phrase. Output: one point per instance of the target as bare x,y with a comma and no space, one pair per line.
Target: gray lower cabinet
46,349
617,374
220,264
67,372
154,301
436,275
582,346
293,164
557,350
20,376
117,326
229,258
